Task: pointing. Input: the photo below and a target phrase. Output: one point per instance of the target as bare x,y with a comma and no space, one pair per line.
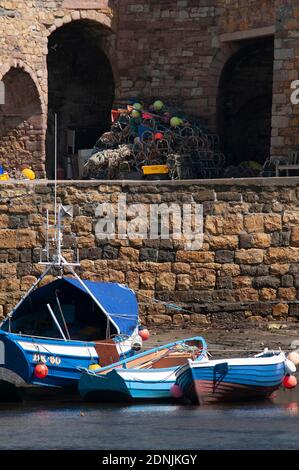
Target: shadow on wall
21,123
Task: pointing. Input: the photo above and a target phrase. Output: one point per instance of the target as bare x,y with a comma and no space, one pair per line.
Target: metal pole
56,321
55,170
47,242
62,316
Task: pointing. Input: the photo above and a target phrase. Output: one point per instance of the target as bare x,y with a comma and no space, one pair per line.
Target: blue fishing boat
146,376
211,381
66,324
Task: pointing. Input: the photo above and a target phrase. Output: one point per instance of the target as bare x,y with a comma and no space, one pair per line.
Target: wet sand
231,340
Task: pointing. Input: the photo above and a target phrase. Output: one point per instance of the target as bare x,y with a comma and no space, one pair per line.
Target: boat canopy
115,301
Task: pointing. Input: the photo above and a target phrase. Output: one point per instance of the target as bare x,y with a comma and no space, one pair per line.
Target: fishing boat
64,325
257,377
60,326
146,376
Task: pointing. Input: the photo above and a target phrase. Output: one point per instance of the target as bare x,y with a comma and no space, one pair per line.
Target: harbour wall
246,270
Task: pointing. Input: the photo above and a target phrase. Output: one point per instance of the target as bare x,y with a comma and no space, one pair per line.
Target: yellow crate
155,170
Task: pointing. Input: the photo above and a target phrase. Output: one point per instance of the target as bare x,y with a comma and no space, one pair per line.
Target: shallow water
260,425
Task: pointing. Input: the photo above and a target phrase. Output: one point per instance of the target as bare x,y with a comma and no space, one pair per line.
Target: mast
55,260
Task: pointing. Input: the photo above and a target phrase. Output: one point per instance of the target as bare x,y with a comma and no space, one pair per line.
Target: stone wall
172,49
285,115
246,270
175,50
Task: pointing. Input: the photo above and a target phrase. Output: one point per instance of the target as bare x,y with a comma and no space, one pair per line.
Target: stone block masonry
174,50
246,270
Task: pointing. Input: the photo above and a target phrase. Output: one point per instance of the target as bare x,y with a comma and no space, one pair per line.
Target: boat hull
131,385
237,380
148,376
63,360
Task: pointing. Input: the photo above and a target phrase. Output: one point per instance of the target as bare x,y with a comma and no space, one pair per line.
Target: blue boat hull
148,376
63,360
128,385
225,381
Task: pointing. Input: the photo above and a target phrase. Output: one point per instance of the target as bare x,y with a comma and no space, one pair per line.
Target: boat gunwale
144,354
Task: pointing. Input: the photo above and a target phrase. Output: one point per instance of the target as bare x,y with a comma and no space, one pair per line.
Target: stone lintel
248,34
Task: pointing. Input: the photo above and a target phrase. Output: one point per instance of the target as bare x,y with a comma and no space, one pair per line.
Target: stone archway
22,129
244,104
81,87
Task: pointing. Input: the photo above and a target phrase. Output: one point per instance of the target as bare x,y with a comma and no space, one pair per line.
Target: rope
62,360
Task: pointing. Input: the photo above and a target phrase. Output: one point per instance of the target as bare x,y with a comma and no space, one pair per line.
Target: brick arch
223,55
22,119
100,18
244,102
96,18
19,64
81,68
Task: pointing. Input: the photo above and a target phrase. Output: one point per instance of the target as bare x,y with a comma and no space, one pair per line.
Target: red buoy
41,371
159,136
176,391
144,333
289,381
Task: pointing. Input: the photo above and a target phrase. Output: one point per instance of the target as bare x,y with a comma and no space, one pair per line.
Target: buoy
4,176
294,357
144,333
176,391
41,371
289,381
159,136
158,105
293,408
29,174
175,122
136,114
94,367
137,106
290,366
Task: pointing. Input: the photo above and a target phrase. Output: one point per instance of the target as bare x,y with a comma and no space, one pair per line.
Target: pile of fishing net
157,137
105,164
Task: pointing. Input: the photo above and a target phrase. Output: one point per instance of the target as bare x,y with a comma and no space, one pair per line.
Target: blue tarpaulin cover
117,301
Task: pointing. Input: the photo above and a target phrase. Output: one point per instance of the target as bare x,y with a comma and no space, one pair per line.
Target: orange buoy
144,333
289,381
41,371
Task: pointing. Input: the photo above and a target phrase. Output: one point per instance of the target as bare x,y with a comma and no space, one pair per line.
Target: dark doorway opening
81,89
244,106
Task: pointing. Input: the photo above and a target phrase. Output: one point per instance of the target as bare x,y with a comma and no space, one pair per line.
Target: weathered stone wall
246,270
172,49
285,114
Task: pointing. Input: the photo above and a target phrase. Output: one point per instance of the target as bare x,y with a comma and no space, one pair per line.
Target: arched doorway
81,88
244,105
21,123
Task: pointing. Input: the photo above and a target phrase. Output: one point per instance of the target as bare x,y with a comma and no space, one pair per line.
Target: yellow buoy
4,177
29,174
94,367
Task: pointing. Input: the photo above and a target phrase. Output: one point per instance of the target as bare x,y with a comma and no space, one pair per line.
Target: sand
232,340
